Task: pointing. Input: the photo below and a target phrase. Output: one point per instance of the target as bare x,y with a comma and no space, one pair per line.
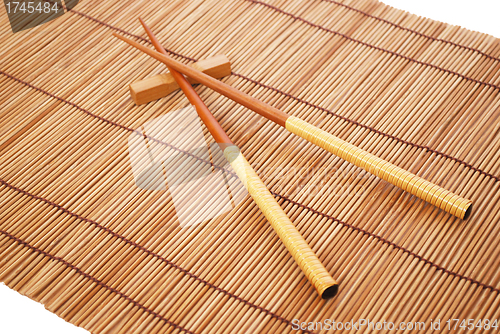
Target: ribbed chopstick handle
442,198
304,256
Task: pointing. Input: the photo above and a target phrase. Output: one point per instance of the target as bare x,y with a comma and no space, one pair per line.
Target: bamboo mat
77,235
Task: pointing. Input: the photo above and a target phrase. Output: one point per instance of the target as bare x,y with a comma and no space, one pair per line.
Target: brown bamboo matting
77,235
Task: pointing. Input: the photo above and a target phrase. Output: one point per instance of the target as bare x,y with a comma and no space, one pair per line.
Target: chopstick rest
160,85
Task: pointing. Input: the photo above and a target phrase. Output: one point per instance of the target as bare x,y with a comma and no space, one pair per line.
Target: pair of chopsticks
308,262
303,255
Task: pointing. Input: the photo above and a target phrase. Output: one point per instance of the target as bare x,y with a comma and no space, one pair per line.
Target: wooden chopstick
302,253
432,193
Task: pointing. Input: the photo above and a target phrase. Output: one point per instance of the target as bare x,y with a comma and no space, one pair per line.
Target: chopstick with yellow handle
415,185
303,255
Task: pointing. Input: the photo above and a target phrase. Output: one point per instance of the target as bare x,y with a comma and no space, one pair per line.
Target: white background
20,315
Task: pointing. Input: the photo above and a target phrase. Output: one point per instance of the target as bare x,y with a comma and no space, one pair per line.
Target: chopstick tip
145,26
117,35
